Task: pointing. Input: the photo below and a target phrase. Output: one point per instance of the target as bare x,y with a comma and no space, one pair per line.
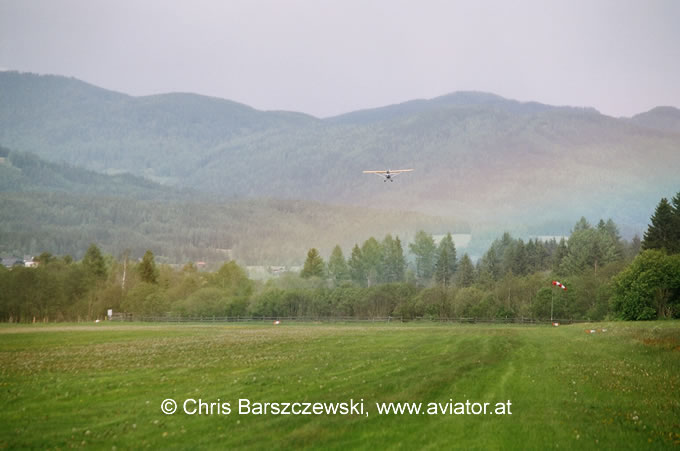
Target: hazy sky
329,57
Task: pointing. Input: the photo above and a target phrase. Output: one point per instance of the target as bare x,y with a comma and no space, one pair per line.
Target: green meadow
102,386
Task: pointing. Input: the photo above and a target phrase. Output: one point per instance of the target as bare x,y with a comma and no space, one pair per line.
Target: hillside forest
62,209
477,156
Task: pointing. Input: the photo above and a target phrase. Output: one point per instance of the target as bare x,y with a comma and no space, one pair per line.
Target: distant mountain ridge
455,99
664,118
477,156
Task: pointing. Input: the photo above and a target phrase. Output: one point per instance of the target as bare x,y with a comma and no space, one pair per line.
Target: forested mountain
62,209
64,119
254,232
476,156
456,99
25,172
665,118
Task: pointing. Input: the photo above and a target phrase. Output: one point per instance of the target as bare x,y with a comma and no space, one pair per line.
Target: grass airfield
73,385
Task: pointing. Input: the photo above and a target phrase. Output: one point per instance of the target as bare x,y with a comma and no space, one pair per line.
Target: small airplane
389,174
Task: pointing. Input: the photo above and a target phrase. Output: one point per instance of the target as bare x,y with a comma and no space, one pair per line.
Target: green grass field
64,386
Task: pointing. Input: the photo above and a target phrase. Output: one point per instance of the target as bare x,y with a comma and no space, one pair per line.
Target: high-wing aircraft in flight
388,174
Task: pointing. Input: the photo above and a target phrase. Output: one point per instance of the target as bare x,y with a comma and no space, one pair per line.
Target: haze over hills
664,118
26,173
62,209
477,156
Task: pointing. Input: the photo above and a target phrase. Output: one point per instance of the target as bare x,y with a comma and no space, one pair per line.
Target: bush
649,288
145,299
212,301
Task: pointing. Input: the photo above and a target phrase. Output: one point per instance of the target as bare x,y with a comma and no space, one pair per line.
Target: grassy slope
103,386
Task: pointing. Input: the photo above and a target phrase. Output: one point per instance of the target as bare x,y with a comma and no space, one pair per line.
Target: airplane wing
388,174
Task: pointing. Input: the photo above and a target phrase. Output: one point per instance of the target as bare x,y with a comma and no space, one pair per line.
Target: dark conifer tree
337,266
356,266
371,256
314,265
147,268
424,249
393,261
559,255
93,261
465,276
662,229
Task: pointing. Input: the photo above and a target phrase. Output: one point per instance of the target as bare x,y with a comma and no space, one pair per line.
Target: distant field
64,386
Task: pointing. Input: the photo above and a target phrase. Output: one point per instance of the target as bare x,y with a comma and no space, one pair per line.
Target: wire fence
334,319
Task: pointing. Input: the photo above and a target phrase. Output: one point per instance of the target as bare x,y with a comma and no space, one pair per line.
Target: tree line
606,276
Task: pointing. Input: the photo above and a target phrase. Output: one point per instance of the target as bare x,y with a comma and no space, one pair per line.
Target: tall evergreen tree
147,268
445,266
502,244
399,261
393,261
662,231
503,250
542,255
356,266
93,261
583,251
442,273
448,244
582,224
614,248
423,248
560,254
385,259
465,276
314,265
676,223
593,248
491,265
337,266
517,261
634,246
371,253
676,203
532,255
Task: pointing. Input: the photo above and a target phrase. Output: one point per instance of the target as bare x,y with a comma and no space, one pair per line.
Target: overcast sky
330,57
